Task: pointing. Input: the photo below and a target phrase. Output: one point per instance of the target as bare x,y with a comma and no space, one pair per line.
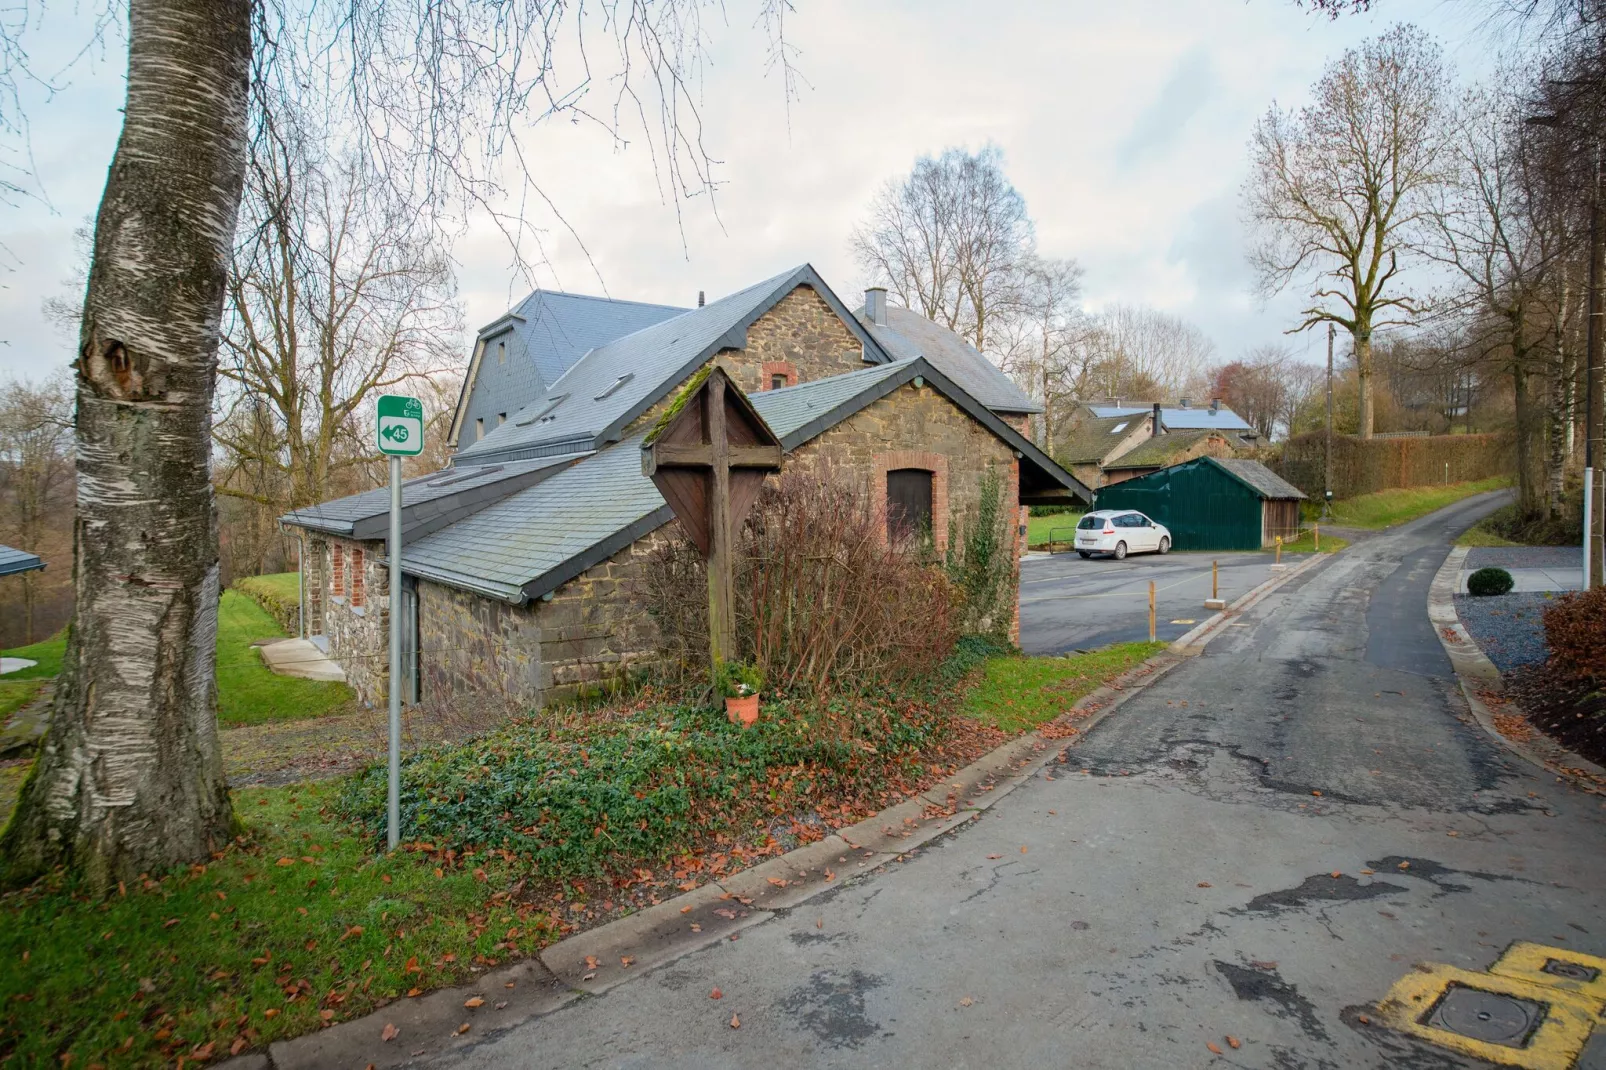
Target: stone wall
473,646
356,614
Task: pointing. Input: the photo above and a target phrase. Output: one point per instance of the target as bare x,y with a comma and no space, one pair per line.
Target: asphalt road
1070,604
1171,884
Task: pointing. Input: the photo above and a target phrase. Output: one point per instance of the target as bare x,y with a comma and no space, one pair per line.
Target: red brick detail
356,578
771,368
337,570
937,465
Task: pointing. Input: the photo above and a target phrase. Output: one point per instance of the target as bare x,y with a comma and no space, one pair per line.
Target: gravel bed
1506,627
1524,557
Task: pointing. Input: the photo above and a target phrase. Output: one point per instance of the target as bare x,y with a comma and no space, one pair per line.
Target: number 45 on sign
401,425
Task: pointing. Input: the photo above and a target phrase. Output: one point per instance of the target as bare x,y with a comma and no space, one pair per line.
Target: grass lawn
283,585
1386,508
1038,528
1480,535
15,694
1016,694
247,693
300,923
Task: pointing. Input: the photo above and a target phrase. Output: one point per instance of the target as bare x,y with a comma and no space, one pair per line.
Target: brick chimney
875,305
1182,403
1154,420
1215,406
699,299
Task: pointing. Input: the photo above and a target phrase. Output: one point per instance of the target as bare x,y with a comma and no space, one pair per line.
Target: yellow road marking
1526,962
1555,1045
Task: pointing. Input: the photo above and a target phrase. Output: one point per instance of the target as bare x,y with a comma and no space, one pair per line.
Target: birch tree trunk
130,778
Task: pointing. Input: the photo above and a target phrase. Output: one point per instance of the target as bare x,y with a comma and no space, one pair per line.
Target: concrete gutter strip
1478,676
564,971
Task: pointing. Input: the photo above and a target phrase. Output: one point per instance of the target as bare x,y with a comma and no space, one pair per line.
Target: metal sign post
400,433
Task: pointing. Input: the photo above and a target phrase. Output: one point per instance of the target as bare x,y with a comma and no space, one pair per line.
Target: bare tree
1338,188
35,473
1142,353
1256,387
337,291
1039,343
130,777
950,242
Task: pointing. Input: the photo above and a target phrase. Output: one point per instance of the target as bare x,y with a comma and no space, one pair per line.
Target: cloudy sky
1124,126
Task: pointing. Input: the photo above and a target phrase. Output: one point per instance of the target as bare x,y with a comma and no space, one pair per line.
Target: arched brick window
356,579
908,503
913,485
775,374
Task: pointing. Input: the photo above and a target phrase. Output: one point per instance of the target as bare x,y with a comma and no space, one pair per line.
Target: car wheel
1083,554
1120,551
1165,545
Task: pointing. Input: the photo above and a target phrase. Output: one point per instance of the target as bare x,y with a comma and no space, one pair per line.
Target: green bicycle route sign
401,425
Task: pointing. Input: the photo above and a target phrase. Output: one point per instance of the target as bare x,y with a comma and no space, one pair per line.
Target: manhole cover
1486,1016
1573,971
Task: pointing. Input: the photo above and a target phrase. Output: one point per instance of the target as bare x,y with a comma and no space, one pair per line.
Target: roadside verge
448,1020
1485,691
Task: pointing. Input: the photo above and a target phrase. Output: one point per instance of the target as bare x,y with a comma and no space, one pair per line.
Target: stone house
1164,450
522,561
1106,443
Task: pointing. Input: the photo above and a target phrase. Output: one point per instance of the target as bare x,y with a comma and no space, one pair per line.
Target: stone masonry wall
359,635
471,646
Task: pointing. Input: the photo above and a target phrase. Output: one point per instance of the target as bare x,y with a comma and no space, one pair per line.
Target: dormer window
501,352
545,413
615,385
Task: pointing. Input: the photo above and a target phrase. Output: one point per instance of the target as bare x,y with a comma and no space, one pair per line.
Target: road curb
1478,676
1192,642
561,973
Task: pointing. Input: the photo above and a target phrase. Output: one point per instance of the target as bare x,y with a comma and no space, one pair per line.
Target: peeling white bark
130,778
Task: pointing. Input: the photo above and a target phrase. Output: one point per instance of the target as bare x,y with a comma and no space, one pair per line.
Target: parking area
1070,604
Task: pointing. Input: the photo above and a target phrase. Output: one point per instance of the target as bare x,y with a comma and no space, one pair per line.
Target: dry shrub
1575,628
821,599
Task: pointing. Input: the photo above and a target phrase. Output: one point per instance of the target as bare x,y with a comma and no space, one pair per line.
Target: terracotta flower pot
742,711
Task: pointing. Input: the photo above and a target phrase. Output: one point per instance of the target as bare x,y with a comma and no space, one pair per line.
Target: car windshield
1091,521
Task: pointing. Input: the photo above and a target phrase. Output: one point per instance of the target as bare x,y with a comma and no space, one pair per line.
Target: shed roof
909,334
1259,478
616,382
14,561
1158,450
540,538
428,501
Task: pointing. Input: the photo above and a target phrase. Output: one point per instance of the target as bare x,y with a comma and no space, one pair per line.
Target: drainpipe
301,583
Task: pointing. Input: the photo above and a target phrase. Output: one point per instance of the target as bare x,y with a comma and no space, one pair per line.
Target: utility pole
1594,565
1327,463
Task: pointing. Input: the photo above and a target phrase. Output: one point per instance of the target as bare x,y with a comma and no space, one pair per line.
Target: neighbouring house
1184,416
521,562
1093,442
1164,450
1213,503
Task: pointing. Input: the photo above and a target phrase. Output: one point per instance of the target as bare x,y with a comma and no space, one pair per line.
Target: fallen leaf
736,1023
390,1032
287,862
1023,849
1404,865
778,882
1366,872
819,923
990,857
716,994
1232,1042
1363,1019
1257,964
1211,1045
685,910
591,962
271,1012
473,1001
414,992
1337,874
1205,884
1316,793
627,960
462,1029
502,1004
967,1001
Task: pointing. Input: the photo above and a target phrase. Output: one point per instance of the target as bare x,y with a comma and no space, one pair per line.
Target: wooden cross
708,456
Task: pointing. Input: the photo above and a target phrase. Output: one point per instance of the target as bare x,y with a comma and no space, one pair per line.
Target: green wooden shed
1212,503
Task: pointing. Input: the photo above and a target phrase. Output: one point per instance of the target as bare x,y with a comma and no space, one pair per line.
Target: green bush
738,679
278,595
1489,581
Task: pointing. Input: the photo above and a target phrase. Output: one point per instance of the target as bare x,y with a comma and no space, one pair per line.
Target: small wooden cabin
1212,503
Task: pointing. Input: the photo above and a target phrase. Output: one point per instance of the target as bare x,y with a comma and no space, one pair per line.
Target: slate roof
1259,478
1158,450
909,334
546,333
13,561
614,383
538,539
428,502
1092,440
1177,418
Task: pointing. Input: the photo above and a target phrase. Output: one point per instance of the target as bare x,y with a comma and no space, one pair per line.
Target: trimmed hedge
1489,581
1362,466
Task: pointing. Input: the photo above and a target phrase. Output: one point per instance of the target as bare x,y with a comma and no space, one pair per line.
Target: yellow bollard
1316,533
1279,558
1215,590
1151,611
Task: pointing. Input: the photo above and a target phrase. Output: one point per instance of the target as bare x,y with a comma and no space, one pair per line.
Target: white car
1120,532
